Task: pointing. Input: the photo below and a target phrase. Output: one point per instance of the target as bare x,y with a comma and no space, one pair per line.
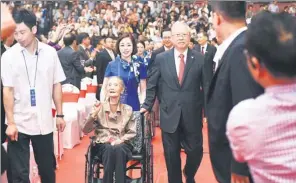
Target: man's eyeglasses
180,35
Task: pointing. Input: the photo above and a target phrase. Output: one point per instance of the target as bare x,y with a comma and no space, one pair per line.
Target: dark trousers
192,142
114,159
220,156
19,158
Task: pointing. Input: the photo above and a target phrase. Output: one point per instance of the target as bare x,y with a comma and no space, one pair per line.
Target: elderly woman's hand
96,109
116,142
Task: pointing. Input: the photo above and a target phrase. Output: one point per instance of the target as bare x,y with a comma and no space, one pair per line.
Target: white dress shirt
36,120
226,43
204,48
262,133
111,53
177,58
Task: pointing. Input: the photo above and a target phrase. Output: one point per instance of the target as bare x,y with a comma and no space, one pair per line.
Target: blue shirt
131,77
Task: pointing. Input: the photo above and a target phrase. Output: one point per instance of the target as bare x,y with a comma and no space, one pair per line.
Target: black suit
180,110
85,57
102,60
208,65
231,84
153,55
3,125
72,67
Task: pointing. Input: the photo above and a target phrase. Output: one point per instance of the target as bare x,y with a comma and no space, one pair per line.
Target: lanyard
35,68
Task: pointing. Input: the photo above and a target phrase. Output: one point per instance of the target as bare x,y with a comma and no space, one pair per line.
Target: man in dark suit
231,84
209,52
176,77
167,45
86,57
71,62
102,60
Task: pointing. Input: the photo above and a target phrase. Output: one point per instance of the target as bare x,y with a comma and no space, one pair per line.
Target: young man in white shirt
31,74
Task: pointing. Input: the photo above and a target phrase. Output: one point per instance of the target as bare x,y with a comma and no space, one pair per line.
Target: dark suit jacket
3,125
102,60
87,61
208,65
72,67
176,100
231,84
153,55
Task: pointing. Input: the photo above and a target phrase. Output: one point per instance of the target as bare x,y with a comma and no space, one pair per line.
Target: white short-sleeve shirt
36,120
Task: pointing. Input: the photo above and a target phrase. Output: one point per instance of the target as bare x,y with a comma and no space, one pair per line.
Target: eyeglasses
166,37
180,35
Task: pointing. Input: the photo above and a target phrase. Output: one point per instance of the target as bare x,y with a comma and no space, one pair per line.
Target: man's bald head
180,25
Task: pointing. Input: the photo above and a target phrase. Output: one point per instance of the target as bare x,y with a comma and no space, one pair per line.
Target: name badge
33,97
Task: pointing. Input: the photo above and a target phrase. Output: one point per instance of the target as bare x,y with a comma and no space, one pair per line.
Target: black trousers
192,142
220,156
114,159
19,158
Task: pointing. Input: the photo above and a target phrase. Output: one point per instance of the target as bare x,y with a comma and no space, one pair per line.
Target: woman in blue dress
132,71
142,53
128,67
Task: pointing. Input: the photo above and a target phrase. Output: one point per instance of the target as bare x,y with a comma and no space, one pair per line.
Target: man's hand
12,132
88,69
235,178
61,124
205,120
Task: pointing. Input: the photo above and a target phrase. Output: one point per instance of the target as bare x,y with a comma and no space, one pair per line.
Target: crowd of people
189,63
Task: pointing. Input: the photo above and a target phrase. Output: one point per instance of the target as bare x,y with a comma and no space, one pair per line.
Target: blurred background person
70,61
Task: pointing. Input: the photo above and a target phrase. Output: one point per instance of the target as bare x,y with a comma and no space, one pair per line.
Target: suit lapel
172,66
220,63
189,61
108,55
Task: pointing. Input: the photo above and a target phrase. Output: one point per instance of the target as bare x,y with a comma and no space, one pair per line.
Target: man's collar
38,48
166,48
177,53
83,46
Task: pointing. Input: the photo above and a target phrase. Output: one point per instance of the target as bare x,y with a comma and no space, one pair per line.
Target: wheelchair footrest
128,180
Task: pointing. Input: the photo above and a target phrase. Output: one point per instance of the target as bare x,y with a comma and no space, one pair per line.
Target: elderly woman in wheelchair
114,127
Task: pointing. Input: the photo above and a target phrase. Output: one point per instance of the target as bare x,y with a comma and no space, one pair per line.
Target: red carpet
71,167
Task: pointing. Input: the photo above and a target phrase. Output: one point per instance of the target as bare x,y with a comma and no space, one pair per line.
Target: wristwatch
60,116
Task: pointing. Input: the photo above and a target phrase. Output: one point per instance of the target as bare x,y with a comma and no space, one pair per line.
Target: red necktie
181,68
202,50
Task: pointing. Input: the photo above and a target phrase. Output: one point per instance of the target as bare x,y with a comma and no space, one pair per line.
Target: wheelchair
141,159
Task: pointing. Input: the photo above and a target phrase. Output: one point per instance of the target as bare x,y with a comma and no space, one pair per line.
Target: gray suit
71,65
180,110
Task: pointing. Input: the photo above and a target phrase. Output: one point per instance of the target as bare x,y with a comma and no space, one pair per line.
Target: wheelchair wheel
152,124
149,161
89,168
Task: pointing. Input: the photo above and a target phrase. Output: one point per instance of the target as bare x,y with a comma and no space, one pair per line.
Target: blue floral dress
131,74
